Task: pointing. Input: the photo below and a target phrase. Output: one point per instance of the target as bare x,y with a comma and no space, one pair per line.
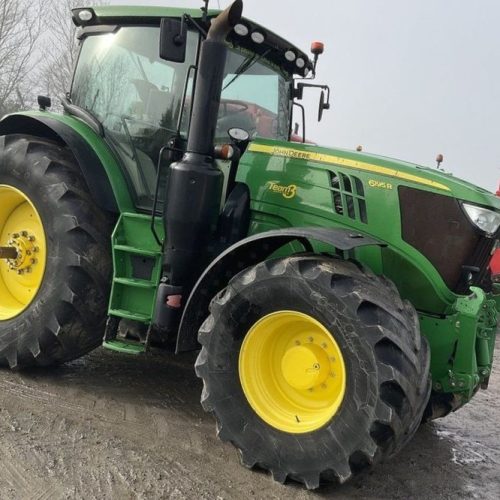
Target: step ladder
137,262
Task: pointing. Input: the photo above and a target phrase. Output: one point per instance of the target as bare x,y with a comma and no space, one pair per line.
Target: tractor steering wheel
236,116
241,107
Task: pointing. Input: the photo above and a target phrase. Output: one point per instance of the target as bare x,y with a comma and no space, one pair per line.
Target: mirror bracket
324,104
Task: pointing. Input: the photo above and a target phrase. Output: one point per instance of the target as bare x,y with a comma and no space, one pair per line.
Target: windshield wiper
245,66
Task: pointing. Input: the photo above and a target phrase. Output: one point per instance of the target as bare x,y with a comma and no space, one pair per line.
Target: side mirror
323,105
173,37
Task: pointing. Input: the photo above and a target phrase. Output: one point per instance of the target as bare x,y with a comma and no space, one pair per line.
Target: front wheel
314,368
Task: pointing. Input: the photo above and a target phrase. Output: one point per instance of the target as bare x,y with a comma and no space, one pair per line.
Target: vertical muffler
194,191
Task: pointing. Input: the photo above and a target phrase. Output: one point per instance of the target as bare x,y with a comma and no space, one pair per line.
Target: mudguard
90,164
248,252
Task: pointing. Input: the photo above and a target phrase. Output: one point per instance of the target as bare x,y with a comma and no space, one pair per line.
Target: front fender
248,252
98,164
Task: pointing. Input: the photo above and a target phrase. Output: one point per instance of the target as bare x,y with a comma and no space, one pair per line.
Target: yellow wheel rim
21,228
292,372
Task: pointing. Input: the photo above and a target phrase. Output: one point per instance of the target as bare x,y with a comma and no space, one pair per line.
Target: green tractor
338,298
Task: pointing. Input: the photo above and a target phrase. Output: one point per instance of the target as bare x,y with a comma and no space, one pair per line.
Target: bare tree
62,46
20,29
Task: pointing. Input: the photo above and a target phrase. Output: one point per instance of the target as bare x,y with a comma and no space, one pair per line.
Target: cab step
125,346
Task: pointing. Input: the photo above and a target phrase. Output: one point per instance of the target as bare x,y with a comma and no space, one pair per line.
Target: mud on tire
66,318
386,361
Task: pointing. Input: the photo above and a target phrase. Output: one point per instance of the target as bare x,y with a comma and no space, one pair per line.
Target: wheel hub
292,371
22,252
24,246
305,366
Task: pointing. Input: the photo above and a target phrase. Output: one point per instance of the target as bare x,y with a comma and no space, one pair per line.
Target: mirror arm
194,24
327,88
298,93
303,109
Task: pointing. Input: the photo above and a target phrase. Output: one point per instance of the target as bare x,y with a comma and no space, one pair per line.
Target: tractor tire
53,297
314,368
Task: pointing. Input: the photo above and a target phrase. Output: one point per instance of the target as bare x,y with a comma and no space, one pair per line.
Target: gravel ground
113,426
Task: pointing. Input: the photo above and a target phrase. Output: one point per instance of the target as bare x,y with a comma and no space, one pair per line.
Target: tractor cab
143,101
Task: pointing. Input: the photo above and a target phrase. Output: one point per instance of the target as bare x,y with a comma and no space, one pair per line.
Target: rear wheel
314,368
54,256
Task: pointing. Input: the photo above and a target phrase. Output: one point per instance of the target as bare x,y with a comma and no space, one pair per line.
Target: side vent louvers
348,195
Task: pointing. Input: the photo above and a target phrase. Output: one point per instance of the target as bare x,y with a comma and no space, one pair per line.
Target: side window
136,96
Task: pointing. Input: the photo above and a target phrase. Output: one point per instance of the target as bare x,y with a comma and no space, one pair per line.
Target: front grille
437,226
476,270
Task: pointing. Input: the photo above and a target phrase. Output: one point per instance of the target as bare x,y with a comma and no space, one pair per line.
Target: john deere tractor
337,298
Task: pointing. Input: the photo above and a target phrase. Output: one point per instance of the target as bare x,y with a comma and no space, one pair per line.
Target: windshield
137,97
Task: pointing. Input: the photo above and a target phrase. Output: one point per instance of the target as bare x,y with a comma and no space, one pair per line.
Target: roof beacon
317,48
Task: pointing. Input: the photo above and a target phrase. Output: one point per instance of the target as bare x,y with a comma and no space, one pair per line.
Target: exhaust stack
209,80
195,183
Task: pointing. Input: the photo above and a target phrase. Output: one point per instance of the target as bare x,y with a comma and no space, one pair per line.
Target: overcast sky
410,79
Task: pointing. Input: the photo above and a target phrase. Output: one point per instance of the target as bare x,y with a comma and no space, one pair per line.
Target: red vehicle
495,261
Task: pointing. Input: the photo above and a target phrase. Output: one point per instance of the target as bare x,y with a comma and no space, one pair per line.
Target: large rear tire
54,295
314,368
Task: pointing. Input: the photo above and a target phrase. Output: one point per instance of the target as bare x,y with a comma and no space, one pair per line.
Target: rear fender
249,252
98,165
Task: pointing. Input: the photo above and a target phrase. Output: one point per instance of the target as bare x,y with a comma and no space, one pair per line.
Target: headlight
486,220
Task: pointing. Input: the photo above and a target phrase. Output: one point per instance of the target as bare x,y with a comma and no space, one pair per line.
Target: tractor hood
383,171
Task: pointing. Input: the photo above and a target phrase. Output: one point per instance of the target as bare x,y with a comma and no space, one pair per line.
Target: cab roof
273,48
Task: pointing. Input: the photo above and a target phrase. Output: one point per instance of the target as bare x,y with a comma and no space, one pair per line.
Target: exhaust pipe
209,80
225,22
195,183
